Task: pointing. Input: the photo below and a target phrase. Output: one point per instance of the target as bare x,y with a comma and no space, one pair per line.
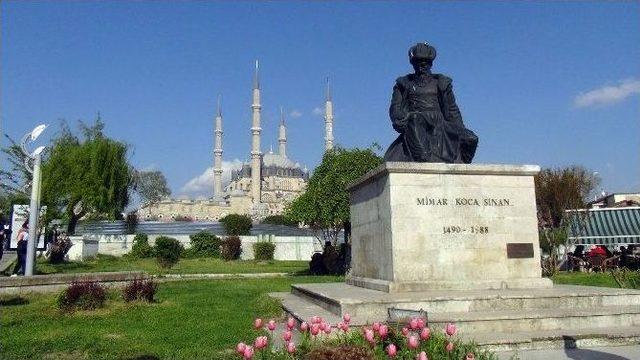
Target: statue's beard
422,70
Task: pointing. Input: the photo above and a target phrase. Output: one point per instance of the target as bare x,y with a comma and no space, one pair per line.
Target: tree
86,176
325,204
236,224
151,186
279,220
559,190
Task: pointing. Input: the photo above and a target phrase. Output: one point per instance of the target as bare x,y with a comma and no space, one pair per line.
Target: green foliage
167,251
263,250
86,176
82,296
325,204
626,278
235,224
231,248
151,186
204,244
279,220
141,248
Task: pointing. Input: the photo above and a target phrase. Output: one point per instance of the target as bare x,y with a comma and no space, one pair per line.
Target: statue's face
422,66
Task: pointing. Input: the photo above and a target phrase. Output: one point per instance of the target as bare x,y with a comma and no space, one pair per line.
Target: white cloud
295,114
150,167
317,111
607,95
202,185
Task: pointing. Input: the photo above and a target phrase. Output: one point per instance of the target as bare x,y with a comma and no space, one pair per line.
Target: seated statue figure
424,111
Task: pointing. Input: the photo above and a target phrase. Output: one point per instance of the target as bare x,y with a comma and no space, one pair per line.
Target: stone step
367,305
303,310
549,339
509,321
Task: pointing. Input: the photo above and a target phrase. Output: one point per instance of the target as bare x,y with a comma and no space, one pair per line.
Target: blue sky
548,83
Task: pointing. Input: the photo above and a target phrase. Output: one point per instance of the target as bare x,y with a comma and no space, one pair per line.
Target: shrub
231,248
82,295
263,250
279,220
139,289
167,251
204,244
235,224
141,248
131,222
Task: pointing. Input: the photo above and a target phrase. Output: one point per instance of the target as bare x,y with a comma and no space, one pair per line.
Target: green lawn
185,266
588,279
198,319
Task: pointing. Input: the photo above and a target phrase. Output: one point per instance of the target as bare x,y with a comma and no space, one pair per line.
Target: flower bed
316,339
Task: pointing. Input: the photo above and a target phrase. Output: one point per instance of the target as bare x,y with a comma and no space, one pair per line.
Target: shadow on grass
144,357
572,352
13,301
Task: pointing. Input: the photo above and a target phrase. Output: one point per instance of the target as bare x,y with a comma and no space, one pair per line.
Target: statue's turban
422,51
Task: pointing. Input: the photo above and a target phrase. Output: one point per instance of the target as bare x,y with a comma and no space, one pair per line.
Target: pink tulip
413,342
450,329
405,331
383,330
325,326
240,348
291,347
413,324
327,329
449,346
286,336
316,319
376,326
422,356
261,342
291,323
391,350
315,329
271,325
346,318
425,333
257,324
304,326
369,336
470,356
420,323
248,352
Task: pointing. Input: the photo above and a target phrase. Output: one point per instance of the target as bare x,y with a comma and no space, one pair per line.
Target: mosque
262,187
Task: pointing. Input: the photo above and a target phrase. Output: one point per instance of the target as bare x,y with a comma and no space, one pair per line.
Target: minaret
328,120
217,156
282,139
255,140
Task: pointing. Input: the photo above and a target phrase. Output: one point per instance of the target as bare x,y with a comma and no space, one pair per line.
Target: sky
547,83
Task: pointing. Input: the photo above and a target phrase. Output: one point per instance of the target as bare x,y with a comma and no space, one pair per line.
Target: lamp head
37,131
37,151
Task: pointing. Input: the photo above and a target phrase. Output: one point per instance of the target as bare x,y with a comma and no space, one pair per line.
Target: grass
102,263
198,319
584,278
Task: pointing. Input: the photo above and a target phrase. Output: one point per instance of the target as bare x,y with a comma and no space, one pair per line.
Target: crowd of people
600,257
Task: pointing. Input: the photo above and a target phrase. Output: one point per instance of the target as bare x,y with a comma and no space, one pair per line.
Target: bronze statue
424,111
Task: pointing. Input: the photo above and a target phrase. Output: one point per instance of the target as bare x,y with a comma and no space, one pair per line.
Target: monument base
391,286
427,226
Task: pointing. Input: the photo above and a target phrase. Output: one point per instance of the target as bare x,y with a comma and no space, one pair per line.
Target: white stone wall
287,247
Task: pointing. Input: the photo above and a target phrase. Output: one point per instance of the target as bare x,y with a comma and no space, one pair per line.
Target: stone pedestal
425,226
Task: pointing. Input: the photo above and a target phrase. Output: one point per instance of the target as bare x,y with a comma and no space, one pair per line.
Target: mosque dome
276,160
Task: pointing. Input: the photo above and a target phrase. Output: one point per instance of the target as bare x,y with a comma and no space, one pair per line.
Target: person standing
21,249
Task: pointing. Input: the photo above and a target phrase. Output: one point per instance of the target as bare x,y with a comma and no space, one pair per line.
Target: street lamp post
34,207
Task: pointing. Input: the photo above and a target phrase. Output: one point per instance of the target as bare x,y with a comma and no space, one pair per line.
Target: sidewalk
598,353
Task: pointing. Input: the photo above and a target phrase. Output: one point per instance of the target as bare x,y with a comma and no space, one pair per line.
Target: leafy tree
150,185
558,190
86,176
325,204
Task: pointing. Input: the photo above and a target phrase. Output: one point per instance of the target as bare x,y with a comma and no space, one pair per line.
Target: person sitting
579,251
597,251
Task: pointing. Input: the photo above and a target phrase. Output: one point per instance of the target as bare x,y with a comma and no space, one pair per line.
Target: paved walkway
598,353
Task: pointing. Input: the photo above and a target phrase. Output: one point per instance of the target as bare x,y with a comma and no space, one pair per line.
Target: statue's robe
424,111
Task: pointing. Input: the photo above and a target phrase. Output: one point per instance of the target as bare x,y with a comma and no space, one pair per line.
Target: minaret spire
256,155
328,120
282,138
217,155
